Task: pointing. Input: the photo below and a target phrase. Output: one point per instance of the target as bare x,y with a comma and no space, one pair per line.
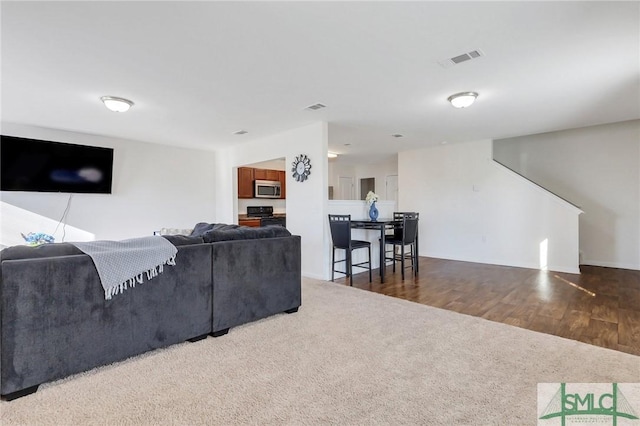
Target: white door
391,185
346,191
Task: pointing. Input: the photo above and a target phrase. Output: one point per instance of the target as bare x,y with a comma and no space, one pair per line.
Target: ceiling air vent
446,63
316,107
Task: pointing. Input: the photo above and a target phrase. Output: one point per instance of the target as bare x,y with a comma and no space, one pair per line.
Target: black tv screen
43,166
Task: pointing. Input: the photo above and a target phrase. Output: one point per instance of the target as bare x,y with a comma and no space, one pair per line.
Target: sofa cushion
183,240
41,251
201,228
67,249
236,232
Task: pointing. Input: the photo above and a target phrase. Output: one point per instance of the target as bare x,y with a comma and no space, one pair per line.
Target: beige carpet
347,357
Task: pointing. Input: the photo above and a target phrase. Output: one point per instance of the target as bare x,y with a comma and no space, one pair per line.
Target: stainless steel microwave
267,189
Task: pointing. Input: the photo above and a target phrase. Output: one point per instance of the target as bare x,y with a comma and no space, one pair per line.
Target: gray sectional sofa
55,321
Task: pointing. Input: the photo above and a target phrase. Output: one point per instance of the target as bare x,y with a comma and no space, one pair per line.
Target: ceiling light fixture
116,104
332,154
462,99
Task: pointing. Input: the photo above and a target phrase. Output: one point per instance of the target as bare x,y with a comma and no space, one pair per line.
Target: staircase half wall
473,209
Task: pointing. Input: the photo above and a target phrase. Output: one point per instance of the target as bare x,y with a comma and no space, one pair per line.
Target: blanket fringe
138,279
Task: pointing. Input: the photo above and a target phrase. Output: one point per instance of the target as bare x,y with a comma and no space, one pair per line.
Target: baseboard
564,269
606,264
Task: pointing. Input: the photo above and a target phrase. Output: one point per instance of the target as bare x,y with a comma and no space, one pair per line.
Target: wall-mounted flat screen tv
43,166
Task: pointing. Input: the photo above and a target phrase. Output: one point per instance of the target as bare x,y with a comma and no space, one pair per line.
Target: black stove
259,211
265,213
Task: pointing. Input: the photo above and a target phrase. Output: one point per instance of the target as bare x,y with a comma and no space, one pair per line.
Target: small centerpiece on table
371,199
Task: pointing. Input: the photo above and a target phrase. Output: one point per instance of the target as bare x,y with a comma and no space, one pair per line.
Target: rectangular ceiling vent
315,107
446,63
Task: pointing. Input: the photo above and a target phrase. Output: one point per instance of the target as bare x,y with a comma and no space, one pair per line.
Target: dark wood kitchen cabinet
247,175
249,222
265,174
245,182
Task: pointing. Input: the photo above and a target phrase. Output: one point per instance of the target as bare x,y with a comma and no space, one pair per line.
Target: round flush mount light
462,99
116,104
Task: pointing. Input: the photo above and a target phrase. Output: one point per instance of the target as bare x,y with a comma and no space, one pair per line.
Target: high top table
382,225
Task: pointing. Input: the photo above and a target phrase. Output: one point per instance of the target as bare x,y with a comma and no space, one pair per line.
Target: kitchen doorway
366,185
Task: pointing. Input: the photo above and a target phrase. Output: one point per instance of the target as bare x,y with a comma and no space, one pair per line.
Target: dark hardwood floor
600,306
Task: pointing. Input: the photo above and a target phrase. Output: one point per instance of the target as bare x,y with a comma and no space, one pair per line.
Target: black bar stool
341,236
403,237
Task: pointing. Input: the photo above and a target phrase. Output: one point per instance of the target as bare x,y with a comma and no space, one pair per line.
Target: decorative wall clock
301,168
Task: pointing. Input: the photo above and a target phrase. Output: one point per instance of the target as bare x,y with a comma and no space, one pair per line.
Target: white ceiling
198,71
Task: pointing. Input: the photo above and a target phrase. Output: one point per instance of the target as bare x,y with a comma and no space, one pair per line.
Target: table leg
417,251
383,264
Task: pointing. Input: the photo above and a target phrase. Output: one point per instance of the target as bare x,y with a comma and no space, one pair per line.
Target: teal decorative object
38,238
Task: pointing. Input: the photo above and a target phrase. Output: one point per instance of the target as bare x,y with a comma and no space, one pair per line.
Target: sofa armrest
253,279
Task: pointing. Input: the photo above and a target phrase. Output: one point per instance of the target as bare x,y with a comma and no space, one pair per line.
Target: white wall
379,172
306,203
16,222
472,209
597,168
338,167
276,164
154,186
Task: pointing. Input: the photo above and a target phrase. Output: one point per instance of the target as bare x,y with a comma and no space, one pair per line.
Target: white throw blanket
122,264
